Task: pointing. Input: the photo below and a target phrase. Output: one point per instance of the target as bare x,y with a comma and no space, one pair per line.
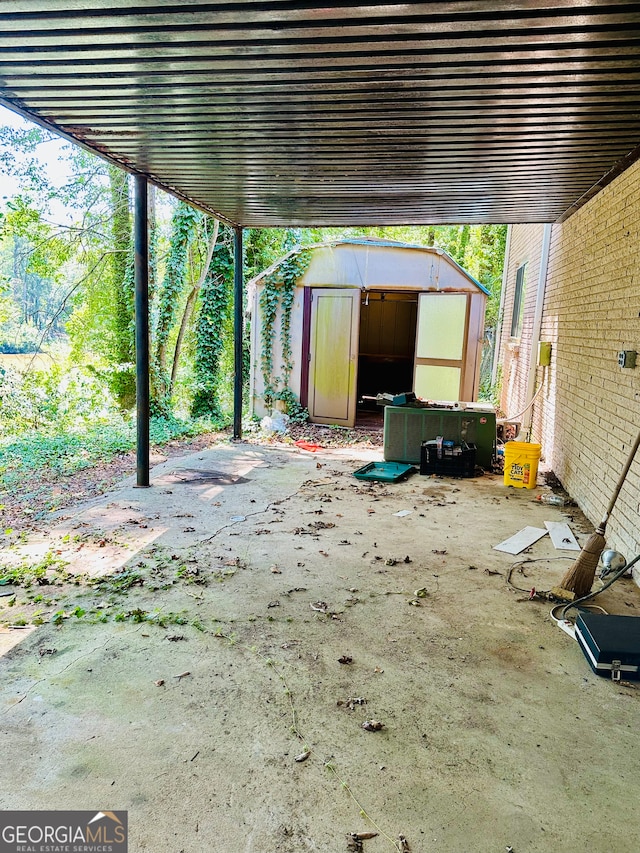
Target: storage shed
335,324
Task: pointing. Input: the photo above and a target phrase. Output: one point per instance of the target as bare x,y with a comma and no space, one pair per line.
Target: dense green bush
64,420
51,400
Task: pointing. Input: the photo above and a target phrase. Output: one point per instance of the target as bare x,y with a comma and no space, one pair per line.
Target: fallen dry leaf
303,756
372,725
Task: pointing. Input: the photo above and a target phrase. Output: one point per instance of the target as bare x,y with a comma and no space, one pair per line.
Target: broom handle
621,479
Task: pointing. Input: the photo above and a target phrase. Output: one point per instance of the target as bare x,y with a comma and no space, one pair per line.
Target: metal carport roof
281,113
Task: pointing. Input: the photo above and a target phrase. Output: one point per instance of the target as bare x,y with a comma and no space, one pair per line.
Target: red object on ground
307,445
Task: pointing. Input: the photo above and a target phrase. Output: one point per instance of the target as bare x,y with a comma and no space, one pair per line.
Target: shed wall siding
589,411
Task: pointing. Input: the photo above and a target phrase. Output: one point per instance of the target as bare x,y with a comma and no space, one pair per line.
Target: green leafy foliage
186,220
212,330
19,156
49,570
121,377
52,400
75,449
33,256
276,299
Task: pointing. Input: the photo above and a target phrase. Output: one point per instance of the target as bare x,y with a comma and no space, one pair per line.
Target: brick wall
588,412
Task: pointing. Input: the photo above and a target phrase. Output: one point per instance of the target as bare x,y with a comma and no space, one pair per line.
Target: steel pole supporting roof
286,113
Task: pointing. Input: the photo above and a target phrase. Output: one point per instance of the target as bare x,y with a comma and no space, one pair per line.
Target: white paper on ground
521,540
562,536
403,512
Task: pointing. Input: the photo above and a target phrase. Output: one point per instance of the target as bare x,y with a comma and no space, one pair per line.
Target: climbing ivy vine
277,295
184,228
121,377
211,327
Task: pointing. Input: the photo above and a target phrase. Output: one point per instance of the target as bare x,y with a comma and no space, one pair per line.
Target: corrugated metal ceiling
283,113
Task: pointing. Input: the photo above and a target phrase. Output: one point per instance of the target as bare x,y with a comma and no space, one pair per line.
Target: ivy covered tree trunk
122,376
184,227
191,300
213,333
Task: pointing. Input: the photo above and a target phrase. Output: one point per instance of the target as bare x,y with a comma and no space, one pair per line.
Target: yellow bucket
521,464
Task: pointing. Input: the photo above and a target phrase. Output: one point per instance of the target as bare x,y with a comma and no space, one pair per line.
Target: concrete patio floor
252,571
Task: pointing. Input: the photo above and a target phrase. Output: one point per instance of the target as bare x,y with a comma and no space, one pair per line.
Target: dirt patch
43,491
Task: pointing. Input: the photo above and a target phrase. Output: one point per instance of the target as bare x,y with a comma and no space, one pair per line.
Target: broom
579,577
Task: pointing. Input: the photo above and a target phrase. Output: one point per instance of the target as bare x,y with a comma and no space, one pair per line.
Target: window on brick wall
518,302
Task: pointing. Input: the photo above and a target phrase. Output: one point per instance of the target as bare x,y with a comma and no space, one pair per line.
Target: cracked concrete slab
186,696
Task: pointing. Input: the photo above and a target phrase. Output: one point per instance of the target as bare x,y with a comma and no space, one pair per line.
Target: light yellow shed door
440,345
333,352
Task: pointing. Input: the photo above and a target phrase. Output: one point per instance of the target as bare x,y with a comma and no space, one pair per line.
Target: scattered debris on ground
257,613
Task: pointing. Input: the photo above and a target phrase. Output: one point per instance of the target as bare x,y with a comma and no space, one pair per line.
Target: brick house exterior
587,411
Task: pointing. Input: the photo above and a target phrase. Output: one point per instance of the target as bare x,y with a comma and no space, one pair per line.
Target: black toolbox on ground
448,458
611,644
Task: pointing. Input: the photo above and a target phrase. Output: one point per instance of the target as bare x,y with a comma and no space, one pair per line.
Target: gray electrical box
627,358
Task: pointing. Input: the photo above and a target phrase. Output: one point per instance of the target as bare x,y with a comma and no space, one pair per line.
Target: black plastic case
611,644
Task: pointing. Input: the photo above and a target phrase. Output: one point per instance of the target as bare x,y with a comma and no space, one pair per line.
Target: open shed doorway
386,349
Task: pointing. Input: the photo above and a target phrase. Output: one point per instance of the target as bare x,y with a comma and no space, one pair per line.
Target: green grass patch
72,451
50,570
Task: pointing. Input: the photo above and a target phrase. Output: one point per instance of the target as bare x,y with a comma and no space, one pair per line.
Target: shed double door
333,355
440,371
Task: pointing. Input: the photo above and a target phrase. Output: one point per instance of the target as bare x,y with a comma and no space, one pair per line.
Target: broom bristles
579,577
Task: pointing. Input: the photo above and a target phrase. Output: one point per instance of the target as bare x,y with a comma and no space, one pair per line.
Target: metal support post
141,242
237,332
